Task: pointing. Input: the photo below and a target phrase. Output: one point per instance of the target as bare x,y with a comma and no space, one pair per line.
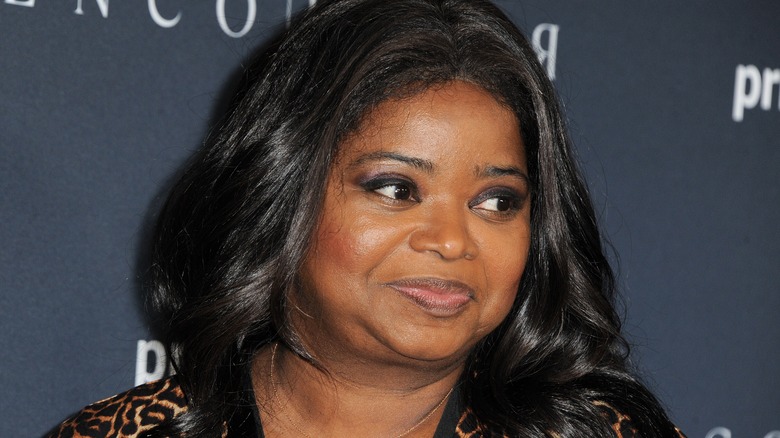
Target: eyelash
508,196
375,184
513,200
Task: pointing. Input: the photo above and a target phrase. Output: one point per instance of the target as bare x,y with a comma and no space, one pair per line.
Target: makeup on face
424,232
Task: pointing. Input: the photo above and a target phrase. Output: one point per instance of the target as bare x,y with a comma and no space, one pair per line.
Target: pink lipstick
438,297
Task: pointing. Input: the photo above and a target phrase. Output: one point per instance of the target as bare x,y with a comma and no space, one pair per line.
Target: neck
345,398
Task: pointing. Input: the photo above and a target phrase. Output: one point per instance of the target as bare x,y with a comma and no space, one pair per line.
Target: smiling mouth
441,298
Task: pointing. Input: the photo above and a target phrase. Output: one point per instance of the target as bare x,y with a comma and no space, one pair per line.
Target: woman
388,236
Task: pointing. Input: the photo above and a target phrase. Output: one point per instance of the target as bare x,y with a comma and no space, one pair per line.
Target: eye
498,203
391,187
397,191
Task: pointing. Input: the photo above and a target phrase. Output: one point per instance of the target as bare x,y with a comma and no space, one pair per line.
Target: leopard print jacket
142,408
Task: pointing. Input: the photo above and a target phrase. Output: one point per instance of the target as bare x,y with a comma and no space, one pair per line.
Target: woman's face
424,232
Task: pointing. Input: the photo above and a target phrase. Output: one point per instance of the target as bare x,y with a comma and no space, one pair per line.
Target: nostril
449,240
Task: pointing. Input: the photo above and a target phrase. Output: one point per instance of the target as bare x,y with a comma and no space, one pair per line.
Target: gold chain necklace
299,430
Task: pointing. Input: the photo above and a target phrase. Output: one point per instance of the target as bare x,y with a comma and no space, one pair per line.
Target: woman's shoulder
470,426
621,423
127,414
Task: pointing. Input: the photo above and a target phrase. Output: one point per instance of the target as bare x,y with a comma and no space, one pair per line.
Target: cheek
331,270
335,246
338,244
350,244
503,270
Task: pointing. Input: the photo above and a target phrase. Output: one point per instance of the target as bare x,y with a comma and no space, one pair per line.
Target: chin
435,351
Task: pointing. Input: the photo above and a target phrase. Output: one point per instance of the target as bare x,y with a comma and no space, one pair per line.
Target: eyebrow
418,163
495,172
428,167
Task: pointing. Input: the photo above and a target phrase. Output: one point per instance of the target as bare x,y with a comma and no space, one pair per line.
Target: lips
438,297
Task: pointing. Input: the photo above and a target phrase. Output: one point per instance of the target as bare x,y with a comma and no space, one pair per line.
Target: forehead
451,118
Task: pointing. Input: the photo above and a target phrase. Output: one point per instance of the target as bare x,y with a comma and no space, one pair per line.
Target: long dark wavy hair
234,231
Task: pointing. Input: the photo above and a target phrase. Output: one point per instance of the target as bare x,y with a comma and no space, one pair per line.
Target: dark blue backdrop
674,108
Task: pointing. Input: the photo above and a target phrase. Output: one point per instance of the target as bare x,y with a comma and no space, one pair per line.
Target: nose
445,232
